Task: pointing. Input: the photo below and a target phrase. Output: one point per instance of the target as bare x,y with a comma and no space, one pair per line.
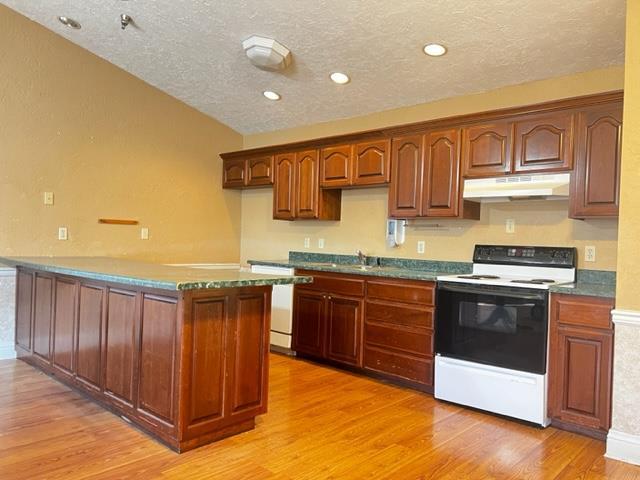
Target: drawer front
334,284
582,311
402,366
402,315
411,342
401,291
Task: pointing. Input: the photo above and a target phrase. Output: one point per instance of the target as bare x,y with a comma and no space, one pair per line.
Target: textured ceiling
192,49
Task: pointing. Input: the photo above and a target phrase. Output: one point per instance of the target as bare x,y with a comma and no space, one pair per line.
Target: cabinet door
260,171
544,143
24,286
306,184
43,310
442,174
89,336
308,322
284,187
344,319
580,367
371,163
234,173
64,323
486,149
595,188
335,166
407,164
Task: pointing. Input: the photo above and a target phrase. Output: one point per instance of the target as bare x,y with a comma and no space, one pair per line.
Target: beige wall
364,211
108,145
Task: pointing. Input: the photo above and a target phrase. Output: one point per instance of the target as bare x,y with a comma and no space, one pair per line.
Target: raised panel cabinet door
156,377
234,173
335,166
284,187
372,163
24,291
120,345
544,143
580,366
306,182
308,322
344,319
64,319
260,171
43,311
407,164
595,185
486,149
89,336
442,174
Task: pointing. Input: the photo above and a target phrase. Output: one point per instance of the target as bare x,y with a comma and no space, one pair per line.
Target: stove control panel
563,257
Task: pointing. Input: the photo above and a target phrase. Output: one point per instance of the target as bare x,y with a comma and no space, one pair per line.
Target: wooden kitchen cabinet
234,173
344,329
42,316
581,363
89,335
336,164
487,149
595,185
64,325
407,170
248,172
297,193
355,165
309,322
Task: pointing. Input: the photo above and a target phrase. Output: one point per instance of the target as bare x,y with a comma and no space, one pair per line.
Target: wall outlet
510,225
63,234
144,233
590,253
48,198
307,242
420,246
321,243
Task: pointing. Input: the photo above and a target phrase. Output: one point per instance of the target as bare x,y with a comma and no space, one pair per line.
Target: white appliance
281,307
492,329
545,186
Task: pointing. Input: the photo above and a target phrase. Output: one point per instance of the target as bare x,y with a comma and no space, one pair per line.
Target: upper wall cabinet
407,167
595,187
355,165
247,172
486,149
296,192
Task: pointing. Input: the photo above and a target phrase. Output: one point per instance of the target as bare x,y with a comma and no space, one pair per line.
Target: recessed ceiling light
434,49
69,22
271,95
340,78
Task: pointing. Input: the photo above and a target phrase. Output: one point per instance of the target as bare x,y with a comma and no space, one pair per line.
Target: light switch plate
420,246
307,242
321,243
144,233
510,225
48,198
63,234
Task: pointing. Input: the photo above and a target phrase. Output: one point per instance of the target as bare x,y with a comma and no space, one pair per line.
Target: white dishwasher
281,307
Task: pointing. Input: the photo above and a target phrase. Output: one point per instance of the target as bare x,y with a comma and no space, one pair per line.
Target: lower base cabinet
581,363
380,326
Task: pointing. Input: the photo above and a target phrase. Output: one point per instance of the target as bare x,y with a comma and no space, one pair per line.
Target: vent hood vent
524,187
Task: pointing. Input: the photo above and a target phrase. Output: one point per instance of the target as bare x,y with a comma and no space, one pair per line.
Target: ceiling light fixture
267,53
271,95
340,78
434,49
69,22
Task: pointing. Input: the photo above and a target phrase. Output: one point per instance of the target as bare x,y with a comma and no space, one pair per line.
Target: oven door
501,326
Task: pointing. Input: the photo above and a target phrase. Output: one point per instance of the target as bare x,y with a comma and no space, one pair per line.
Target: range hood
523,187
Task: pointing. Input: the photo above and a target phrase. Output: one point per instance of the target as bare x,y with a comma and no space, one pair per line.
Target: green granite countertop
587,289
150,275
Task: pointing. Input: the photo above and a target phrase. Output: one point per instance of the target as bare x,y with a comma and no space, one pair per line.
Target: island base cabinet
188,367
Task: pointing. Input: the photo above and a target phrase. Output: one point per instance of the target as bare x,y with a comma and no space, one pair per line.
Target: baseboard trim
626,317
623,446
7,352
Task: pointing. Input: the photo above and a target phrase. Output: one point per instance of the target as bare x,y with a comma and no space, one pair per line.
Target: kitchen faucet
362,258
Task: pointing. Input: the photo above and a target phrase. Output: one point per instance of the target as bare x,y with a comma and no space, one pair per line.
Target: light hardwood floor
322,424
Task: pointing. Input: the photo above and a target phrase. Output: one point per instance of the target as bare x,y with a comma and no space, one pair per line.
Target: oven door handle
498,291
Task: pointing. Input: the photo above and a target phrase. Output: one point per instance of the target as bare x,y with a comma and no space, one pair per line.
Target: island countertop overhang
149,275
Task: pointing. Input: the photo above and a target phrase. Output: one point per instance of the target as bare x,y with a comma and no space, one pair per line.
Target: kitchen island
181,353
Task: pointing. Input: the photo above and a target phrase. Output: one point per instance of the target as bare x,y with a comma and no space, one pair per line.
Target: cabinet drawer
333,284
582,311
412,342
402,366
409,292
403,315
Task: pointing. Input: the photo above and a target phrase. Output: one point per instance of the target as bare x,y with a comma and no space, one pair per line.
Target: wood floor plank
322,424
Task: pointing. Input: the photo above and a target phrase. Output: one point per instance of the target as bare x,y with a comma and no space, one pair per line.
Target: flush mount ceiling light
340,78
271,95
267,53
434,49
69,22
